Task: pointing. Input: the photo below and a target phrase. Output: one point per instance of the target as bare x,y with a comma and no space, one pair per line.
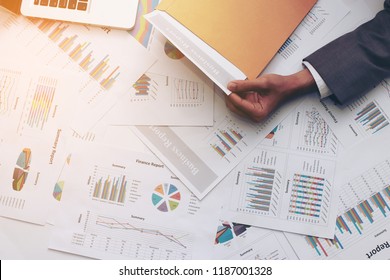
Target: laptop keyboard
80,5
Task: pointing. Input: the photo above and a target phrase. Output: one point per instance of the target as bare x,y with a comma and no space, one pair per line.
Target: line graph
130,237
112,223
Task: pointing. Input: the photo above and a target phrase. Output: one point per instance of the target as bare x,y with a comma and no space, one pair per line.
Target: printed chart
228,231
108,185
363,215
21,169
288,180
116,238
166,197
362,118
172,92
122,212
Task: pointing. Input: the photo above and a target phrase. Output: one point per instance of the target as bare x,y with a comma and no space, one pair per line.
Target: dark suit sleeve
357,61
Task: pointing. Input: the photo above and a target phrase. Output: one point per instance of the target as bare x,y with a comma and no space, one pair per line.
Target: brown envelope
248,33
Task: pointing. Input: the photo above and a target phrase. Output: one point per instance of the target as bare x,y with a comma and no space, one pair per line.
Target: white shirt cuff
322,87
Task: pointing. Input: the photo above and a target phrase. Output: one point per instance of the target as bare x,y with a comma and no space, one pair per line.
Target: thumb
245,85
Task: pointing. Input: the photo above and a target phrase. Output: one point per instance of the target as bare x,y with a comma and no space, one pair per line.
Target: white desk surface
22,241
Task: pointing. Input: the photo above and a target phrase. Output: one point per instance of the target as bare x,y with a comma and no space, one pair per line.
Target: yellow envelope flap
246,32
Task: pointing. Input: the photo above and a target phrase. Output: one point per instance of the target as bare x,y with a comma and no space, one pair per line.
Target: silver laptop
112,13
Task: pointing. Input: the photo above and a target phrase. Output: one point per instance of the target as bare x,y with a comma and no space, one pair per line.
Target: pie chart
58,188
21,170
166,197
172,52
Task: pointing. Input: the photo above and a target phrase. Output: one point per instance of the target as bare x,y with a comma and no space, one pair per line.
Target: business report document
121,204
34,111
362,226
287,182
202,156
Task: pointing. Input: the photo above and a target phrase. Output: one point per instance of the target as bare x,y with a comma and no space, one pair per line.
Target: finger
255,111
233,108
245,105
245,85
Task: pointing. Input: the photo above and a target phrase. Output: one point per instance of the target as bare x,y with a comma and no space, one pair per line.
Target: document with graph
237,241
172,92
362,118
120,204
112,68
35,106
287,182
362,229
202,156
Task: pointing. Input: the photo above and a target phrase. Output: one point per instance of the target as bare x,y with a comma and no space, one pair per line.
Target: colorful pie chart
21,170
166,197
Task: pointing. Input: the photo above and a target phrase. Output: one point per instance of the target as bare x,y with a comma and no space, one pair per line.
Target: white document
120,204
363,225
242,242
172,92
34,111
112,68
202,156
287,182
361,118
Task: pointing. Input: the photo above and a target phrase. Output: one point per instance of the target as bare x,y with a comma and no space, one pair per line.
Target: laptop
111,13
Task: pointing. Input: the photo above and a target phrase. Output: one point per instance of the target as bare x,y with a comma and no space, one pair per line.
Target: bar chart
371,118
143,86
364,208
81,52
41,102
352,225
225,140
306,196
152,87
259,195
108,186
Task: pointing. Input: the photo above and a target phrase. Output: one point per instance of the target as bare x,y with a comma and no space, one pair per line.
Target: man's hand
257,99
